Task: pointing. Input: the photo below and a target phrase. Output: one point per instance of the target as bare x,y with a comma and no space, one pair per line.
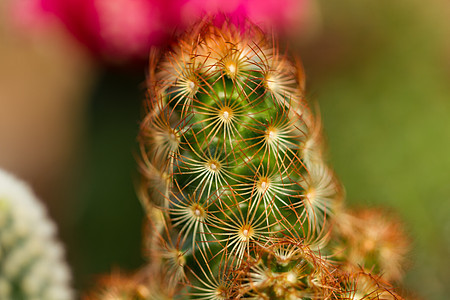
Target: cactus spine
239,196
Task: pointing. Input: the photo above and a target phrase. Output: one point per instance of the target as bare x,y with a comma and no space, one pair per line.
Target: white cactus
32,262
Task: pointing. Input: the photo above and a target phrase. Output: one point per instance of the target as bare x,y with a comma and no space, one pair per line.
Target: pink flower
266,13
125,29
129,27
112,29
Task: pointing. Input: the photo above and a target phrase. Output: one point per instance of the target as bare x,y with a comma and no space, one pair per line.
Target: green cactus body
235,185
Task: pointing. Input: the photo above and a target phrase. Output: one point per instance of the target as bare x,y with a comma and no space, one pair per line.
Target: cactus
373,239
237,190
117,286
31,260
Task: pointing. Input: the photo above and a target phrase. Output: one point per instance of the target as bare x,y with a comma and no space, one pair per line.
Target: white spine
32,262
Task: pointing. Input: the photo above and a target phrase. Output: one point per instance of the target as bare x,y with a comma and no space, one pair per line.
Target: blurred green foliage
381,75
109,217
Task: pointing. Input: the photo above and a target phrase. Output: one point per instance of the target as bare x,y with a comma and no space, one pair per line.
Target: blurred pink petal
266,13
126,29
30,14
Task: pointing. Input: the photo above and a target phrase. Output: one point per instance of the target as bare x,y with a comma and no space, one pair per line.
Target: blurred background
70,106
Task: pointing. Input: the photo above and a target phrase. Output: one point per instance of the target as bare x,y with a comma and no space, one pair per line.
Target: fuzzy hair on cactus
32,262
238,194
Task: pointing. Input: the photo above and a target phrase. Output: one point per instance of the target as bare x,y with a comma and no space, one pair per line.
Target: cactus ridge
236,188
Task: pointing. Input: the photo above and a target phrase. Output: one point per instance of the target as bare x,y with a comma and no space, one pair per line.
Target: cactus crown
235,184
